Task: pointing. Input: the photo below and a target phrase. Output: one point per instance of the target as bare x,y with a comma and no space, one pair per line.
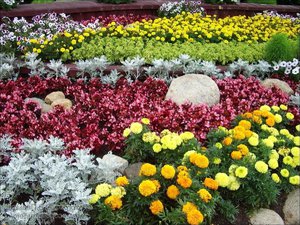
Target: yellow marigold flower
257,119
186,135
253,141
73,42
172,192
157,184
122,181
234,184
296,160
118,191
284,132
94,199
145,121
183,174
295,180
232,168
126,132
194,217
219,145
283,107
264,127
168,172
257,113
275,177
288,160
295,151
182,168
261,167
204,195
238,135
217,161
184,181
156,147
272,138
156,207
248,133
136,127
227,141
187,207
273,163
284,172
246,124
284,151
265,108
103,190
275,108
148,170
243,149
290,116
268,142
270,121
278,118
298,127
199,160
247,115
297,140
113,202
147,188
211,183
62,49
237,155
241,172
222,179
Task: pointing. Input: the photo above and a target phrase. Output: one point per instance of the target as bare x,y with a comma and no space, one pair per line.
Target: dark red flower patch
100,112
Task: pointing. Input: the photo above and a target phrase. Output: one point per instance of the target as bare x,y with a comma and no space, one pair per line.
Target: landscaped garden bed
67,139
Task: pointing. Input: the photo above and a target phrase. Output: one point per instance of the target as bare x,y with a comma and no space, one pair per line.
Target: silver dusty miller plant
40,185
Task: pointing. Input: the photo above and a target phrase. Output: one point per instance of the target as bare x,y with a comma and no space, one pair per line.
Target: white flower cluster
173,8
289,67
9,2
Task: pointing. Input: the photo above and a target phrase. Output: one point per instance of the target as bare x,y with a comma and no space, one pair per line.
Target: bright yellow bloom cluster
222,179
122,181
194,27
194,216
173,192
199,160
156,207
168,171
204,195
147,169
147,188
114,202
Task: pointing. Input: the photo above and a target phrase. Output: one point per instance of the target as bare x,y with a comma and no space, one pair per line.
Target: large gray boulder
265,217
195,89
282,85
291,208
133,170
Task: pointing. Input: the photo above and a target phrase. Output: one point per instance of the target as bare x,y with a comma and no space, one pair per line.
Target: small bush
280,48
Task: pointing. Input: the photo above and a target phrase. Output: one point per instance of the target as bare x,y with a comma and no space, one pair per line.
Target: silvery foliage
95,67
111,78
7,66
5,146
132,67
57,69
295,99
36,66
161,69
51,185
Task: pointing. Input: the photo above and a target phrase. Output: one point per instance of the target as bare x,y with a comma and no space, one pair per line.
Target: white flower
276,67
282,64
295,70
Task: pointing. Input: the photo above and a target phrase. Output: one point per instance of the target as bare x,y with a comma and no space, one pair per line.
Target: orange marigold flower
204,195
147,188
168,171
257,119
113,202
246,124
122,181
248,133
184,181
247,115
173,192
211,183
156,207
227,141
147,169
194,217
257,113
183,174
157,184
270,121
265,113
236,155
199,160
238,135
189,206
243,149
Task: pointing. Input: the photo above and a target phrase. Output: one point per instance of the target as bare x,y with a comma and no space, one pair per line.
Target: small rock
133,170
44,107
118,161
195,89
265,217
291,208
54,96
65,103
282,85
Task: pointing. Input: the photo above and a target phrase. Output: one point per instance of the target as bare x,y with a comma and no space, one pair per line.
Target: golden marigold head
156,207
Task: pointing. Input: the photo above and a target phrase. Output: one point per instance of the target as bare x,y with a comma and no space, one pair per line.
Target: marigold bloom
211,183
247,115
204,195
103,190
148,170
187,135
122,181
156,207
222,179
118,191
284,172
199,160
182,168
290,116
253,141
275,177
145,121
147,188
94,199
241,172
168,171
295,180
194,217
184,181
246,124
157,184
172,192
270,121
273,163
136,127
261,166
156,147
187,207
243,149
113,202
236,155
126,132
227,141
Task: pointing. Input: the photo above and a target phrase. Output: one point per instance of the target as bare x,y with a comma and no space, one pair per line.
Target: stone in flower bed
65,103
54,96
266,217
291,208
195,89
283,86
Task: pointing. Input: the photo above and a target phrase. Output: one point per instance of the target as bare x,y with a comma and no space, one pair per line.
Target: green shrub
280,48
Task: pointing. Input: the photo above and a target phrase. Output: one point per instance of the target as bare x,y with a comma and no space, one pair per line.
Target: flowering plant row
97,120
251,163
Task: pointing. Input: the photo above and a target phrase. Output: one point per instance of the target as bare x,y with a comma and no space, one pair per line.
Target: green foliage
280,48
117,49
